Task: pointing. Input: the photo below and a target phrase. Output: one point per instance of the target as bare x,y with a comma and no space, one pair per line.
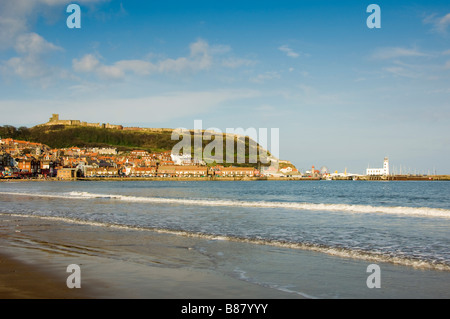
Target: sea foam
396,210
342,252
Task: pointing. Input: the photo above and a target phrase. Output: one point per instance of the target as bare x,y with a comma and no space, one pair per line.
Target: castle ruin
54,120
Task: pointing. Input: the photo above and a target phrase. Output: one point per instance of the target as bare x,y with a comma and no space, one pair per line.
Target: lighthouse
386,166
379,171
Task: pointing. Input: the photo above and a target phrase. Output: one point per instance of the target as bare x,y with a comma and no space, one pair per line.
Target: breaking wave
343,252
396,210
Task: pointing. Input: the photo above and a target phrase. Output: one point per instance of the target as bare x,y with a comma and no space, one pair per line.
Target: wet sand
114,263
21,281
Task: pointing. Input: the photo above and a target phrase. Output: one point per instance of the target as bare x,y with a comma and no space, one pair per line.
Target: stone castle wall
54,120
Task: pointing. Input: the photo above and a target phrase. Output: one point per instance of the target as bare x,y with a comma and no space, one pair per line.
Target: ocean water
310,238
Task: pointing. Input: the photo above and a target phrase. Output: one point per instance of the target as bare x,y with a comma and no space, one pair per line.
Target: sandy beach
19,280
114,263
193,240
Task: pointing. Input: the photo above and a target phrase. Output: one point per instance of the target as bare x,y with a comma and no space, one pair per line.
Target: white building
104,151
286,170
379,171
184,159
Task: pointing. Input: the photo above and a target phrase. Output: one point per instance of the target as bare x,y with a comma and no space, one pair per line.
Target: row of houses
25,159
171,171
33,167
25,165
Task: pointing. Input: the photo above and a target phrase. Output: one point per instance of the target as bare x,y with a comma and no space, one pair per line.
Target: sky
342,95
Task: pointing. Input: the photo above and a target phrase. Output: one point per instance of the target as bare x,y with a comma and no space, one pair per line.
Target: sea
312,239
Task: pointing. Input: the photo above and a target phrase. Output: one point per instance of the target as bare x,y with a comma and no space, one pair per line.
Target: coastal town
35,161
21,159
27,160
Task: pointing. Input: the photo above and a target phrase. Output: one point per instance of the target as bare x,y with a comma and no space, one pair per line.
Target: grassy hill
63,136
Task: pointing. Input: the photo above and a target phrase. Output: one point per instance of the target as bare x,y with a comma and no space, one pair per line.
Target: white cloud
220,49
307,89
136,66
111,71
289,52
447,65
401,72
440,24
13,20
32,44
200,58
234,63
198,48
308,96
86,64
263,77
9,28
15,16
31,48
419,64
25,67
396,52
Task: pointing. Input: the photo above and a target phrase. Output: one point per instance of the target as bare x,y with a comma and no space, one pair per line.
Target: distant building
102,172
379,171
137,153
6,160
102,151
54,120
182,170
67,173
184,159
236,171
29,165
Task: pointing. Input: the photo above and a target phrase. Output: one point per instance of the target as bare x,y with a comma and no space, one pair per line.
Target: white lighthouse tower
386,166
379,171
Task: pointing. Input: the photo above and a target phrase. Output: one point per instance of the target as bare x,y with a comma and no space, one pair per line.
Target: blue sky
341,94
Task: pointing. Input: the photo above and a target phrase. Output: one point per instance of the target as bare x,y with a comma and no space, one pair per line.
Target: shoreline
175,179
34,256
435,178
133,264
121,263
